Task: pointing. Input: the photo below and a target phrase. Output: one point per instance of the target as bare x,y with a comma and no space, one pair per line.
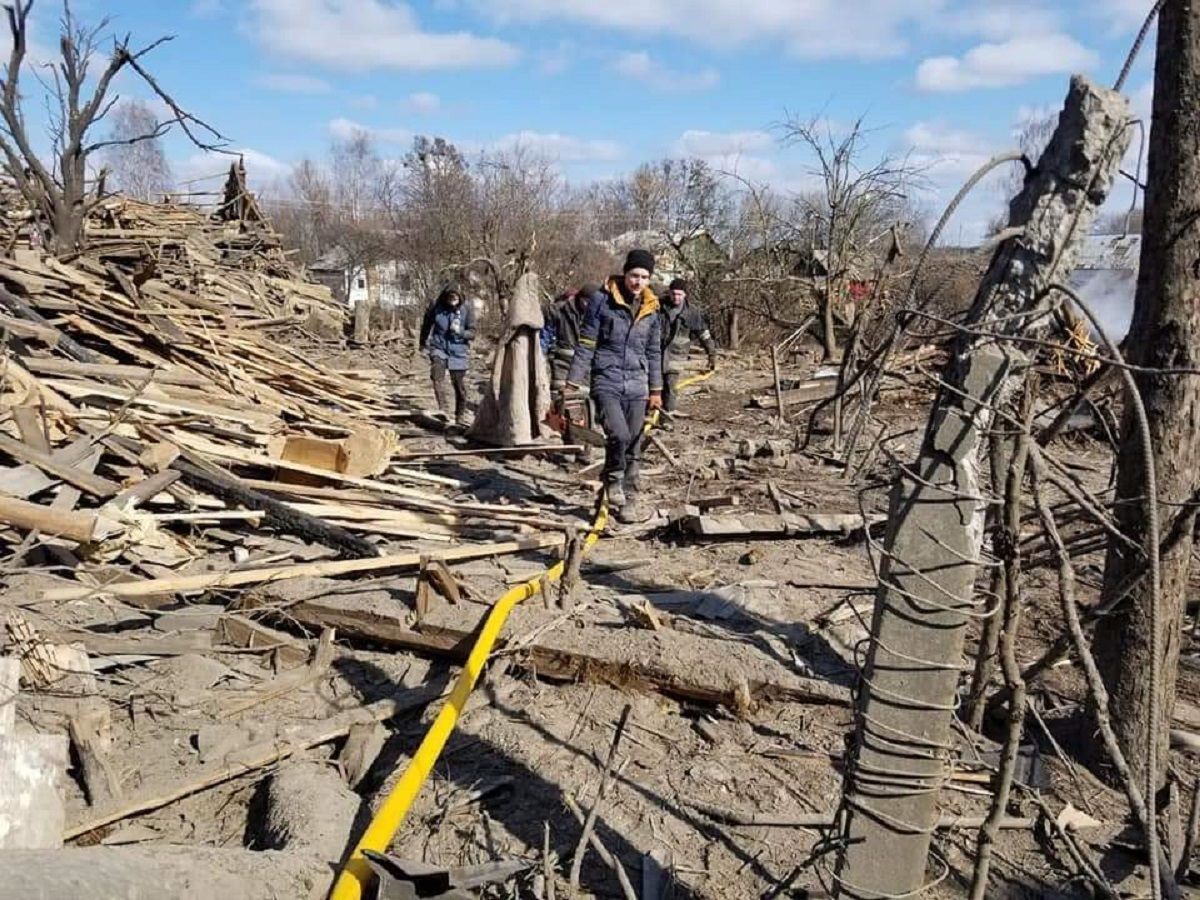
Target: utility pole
1164,334
930,557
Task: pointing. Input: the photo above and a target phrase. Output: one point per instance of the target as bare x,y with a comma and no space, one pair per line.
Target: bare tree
518,195
58,190
433,211
1032,137
135,161
303,211
1137,646
856,201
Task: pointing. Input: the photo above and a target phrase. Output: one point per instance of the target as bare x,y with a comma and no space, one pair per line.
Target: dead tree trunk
930,556
1165,334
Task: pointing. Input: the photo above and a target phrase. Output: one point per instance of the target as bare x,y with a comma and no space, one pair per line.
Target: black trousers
458,377
622,421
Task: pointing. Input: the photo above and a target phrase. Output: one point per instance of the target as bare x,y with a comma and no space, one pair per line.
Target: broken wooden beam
213,580
80,527
789,524
627,657
85,481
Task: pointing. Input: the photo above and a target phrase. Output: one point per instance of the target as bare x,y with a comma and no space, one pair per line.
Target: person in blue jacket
446,334
619,360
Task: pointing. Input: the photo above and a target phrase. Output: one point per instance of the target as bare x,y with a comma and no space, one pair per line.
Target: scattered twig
577,861
605,856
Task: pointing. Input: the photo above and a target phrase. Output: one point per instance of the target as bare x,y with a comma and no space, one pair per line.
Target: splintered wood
143,399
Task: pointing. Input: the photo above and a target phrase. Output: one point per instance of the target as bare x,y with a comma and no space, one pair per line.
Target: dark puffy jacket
562,321
620,347
680,325
448,345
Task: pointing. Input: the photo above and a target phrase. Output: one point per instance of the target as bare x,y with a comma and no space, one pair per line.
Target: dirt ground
685,772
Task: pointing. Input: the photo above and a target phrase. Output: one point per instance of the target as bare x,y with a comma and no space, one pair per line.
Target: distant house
676,255
388,284
1105,277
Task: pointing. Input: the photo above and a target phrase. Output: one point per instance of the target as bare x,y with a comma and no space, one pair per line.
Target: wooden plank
75,526
79,389
95,485
29,423
22,328
247,457
49,366
98,644
148,305
529,449
222,580
248,634
147,489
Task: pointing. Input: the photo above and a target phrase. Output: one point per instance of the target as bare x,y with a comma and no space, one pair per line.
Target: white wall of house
394,285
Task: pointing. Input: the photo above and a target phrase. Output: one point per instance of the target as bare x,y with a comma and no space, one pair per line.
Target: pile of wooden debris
156,445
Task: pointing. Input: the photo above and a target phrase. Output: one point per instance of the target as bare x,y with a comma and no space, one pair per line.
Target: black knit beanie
678,284
639,259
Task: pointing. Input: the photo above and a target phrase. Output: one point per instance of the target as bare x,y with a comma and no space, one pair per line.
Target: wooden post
936,521
573,558
778,385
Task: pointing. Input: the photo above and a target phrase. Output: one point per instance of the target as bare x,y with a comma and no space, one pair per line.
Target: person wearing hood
446,334
681,324
562,321
619,360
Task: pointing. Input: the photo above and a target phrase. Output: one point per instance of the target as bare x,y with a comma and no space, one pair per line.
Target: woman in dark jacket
619,358
446,334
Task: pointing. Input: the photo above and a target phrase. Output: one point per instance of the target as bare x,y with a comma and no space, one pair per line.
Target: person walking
562,321
619,360
681,324
446,334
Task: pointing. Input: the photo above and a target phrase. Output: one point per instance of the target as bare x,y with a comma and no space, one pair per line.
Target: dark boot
633,512
615,492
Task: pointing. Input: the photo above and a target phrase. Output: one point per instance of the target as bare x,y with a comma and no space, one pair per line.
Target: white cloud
946,151
998,20
423,102
262,169
562,148
1006,63
295,84
365,101
695,142
807,28
642,67
360,35
344,129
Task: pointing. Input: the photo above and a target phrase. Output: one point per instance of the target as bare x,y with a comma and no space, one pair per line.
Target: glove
655,401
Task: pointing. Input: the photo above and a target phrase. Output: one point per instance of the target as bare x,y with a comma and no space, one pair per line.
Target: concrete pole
930,555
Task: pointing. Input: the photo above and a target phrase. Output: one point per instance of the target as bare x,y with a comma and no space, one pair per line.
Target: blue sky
601,85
